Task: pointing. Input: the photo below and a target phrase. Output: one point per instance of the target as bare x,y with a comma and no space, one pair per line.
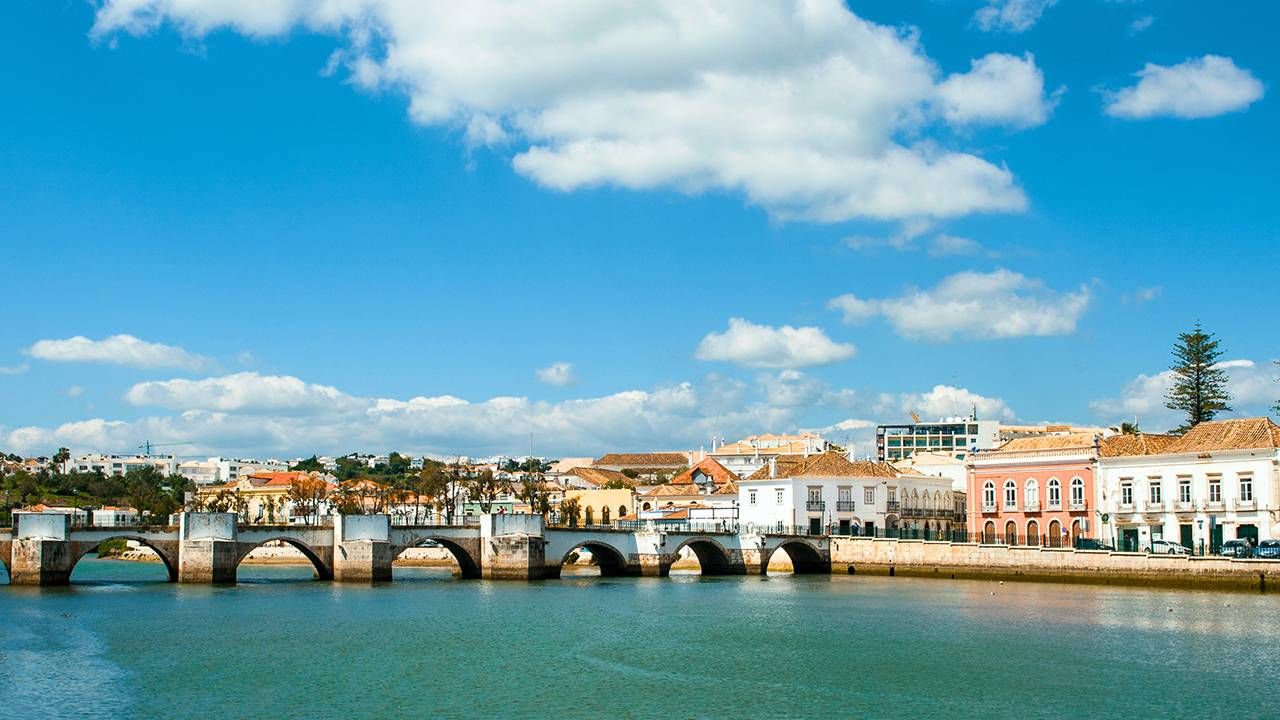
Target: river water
120,642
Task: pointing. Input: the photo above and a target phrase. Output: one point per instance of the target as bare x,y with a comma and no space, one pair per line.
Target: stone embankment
920,558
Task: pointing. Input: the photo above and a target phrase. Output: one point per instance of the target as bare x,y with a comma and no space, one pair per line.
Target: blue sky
353,225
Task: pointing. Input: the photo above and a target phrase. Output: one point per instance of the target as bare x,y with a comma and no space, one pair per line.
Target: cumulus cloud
1250,384
801,106
1198,88
996,305
1011,15
115,350
559,374
998,89
948,401
246,392
792,388
765,346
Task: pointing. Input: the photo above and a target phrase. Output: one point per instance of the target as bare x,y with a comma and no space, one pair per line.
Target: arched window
591,517
604,515
1033,533
1077,494
622,510
1010,495
1032,494
1076,532
1010,533
989,495
928,502
1055,534
1055,494
647,506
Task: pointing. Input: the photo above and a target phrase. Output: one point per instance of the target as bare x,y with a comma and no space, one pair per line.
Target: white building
952,436
121,464
752,453
218,470
936,464
1220,481
828,493
111,516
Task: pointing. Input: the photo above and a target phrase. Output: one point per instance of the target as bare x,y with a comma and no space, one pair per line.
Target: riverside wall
921,558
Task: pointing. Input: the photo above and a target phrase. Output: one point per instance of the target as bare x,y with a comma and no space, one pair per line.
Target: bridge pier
40,553
362,549
207,548
513,547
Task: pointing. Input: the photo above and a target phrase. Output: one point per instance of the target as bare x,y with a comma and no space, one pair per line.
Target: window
1126,492
751,497
1246,488
989,495
1032,493
869,495
778,496
1010,495
1077,493
815,494
1154,490
844,495
1215,488
1184,489
1055,494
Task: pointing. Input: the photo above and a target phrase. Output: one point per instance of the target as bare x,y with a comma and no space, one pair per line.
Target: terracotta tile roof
600,476
709,467
729,488
644,460
828,464
1067,441
275,478
1235,434
683,490
1134,444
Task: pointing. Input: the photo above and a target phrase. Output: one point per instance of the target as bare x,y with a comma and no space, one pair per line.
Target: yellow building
600,507
259,497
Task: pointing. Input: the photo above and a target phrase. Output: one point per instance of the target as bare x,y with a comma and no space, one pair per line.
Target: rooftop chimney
773,467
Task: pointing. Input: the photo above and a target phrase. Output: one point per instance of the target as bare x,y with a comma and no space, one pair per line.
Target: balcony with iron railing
892,506
1031,506
845,506
1078,505
815,505
931,513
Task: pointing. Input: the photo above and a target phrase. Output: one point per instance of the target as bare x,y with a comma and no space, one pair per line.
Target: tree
308,494
570,511
61,458
432,485
617,484
485,488
153,494
1130,428
1199,385
311,464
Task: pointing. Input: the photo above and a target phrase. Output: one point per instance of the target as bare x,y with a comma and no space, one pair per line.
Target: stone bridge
43,548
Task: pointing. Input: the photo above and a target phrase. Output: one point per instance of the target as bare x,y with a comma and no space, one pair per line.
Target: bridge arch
806,558
712,556
611,561
323,568
468,562
170,560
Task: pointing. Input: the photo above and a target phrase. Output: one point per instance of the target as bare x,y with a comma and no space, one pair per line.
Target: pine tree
1199,386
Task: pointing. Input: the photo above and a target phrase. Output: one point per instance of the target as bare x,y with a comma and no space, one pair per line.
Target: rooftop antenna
147,445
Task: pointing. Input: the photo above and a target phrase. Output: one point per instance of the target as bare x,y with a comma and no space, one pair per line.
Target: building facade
122,464
1035,491
953,436
749,454
1220,481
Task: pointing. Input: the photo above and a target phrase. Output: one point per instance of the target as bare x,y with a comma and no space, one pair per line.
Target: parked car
1236,548
1167,547
1092,544
1269,549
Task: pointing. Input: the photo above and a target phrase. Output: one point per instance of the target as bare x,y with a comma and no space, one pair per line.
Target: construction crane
915,416
147,445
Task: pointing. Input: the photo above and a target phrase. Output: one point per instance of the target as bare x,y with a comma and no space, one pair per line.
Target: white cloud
1144,295
14,369
1141,24
246,392
1198,88
1011,15
792,388
1251,386
75,391
560,374
765,346
950,245
115,350
801,106
972,305
948,401
998,89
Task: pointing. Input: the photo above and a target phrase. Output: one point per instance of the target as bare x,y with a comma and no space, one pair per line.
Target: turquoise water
122,643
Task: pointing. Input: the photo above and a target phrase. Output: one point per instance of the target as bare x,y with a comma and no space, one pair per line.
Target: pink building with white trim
1035,491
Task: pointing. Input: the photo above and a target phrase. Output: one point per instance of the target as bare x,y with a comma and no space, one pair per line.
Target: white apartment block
827,493
121,464
748,455
217,470
1220,481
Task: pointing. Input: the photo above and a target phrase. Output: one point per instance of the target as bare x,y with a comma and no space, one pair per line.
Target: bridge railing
436,521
